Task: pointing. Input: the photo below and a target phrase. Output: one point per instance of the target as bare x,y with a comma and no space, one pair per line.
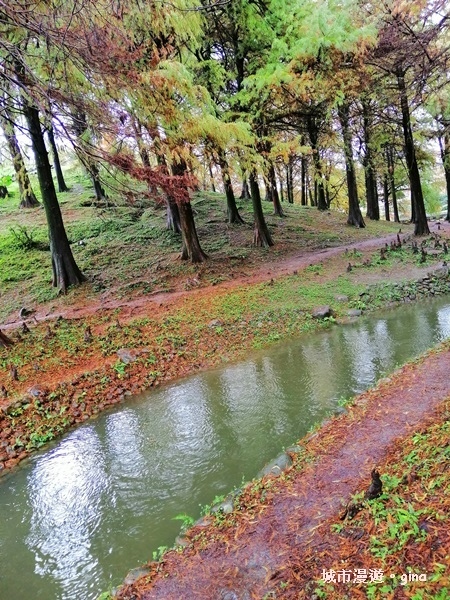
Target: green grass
126,247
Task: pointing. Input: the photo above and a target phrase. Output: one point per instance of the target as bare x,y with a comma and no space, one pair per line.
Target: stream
78,516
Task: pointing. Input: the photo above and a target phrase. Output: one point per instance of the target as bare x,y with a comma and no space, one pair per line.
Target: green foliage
186,521
6,180
159,553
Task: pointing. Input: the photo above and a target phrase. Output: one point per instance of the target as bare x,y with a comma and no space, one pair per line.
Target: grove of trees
281,97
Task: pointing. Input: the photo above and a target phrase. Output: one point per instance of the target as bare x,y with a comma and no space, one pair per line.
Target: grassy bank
126,251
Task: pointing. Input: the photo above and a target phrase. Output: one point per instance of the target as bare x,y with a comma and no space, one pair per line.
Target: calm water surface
78,516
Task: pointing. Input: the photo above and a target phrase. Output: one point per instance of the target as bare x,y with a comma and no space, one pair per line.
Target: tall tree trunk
354,212
304,170
139,137
245,192
65,269
313,132
327,189
94,172
417,201
277,208
211,177
27,196
261,234
373,210
280,179
391,178
268,196
233,215
80,127
387,214
191,249
62,187
444,143
289,180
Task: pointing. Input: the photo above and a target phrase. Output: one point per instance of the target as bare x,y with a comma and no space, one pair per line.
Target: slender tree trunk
387,214
313,132
27,196
444,143
391,178
261,234
62,187
304,170
233,215
191,249
289,181
268,196
80,127
245,192
211,177
65,269
280,178
277,208
373,210
139,137
327,189
354,212
418,204
99,190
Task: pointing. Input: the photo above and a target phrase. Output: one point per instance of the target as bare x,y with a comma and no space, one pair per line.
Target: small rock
204,521
181,541
440,272
295,449
226,507
135,574
126,355
215,323
321,312
354,312
37,391
341,298
228,595
277,466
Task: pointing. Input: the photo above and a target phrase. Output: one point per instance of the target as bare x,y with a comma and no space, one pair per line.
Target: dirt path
249,562
151,302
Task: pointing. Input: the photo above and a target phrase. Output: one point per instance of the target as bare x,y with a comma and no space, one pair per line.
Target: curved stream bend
98,502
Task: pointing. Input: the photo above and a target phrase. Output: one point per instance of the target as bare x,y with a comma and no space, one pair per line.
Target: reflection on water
96,504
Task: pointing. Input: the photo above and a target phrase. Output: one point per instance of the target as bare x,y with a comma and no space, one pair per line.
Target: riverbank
73,358
67,366
312,532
